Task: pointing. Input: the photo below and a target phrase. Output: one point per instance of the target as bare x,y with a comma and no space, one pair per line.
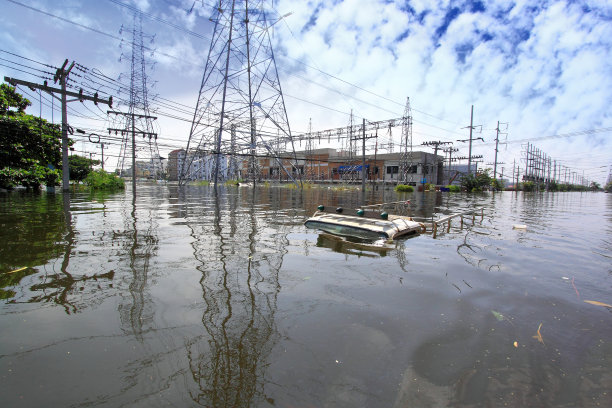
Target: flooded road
222,298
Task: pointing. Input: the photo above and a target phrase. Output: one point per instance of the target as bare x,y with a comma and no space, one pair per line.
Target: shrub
101,180
403,188
497,185
201,183
529,186
453,188
476,182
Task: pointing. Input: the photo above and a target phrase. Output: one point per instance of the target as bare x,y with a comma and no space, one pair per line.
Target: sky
542,69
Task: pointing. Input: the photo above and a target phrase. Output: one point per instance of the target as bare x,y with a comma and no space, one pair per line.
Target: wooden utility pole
133,117
61,75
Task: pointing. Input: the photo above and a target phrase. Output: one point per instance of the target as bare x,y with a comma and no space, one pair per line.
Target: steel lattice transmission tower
139,119
240,95
406,144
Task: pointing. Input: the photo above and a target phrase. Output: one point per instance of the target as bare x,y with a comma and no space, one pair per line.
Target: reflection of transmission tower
228,361
139,101
240,90
406,144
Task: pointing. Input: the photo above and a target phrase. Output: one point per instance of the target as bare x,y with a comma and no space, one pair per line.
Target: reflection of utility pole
133,116
61,75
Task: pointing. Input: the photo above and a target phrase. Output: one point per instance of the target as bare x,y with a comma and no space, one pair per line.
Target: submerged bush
101,180
403,188
201,183
453,188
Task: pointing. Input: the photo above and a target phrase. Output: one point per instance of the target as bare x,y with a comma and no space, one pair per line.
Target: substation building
331,165
326,165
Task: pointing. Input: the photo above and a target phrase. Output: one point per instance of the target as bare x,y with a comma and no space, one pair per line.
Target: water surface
222,298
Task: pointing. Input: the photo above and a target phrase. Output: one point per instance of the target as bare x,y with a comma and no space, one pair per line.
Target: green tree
497,184
595,186
80,167
101,180
30,147
476,182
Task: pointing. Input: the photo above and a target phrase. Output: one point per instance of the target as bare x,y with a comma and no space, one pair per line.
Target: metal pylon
139,110
241,90
406,144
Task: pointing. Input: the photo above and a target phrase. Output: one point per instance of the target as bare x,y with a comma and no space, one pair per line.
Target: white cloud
545,68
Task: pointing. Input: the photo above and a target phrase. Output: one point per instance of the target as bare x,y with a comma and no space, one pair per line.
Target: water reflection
346,246
140,242
175,299
32,225
41,231
239,246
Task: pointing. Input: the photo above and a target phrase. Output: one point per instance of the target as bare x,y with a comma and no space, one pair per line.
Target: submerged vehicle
368,224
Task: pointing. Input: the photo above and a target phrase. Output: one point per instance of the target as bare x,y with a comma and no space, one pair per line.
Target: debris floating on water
596,303
538,335
519,226
498,315
18,270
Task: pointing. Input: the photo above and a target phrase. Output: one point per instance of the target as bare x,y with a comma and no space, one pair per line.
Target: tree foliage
101,180
80,167
476,182
30,147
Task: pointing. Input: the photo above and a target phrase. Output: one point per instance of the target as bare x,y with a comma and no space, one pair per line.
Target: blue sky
542,67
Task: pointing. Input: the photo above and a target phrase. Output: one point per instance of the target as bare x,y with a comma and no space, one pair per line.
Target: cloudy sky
541,68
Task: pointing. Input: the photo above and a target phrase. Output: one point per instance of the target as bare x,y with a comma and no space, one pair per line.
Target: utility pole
363,161
496,148
471,127
61,75
470,149
102,146
436,144
133,117
450,151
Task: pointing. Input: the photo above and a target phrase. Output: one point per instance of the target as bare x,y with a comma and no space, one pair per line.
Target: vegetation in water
403,188
101,180
497,184
476,182
200,183
453,188
233,182
80,167
30,147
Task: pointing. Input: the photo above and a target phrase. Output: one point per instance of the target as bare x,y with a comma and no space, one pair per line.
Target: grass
403,188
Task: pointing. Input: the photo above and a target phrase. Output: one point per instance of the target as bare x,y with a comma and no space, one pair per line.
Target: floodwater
222,298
